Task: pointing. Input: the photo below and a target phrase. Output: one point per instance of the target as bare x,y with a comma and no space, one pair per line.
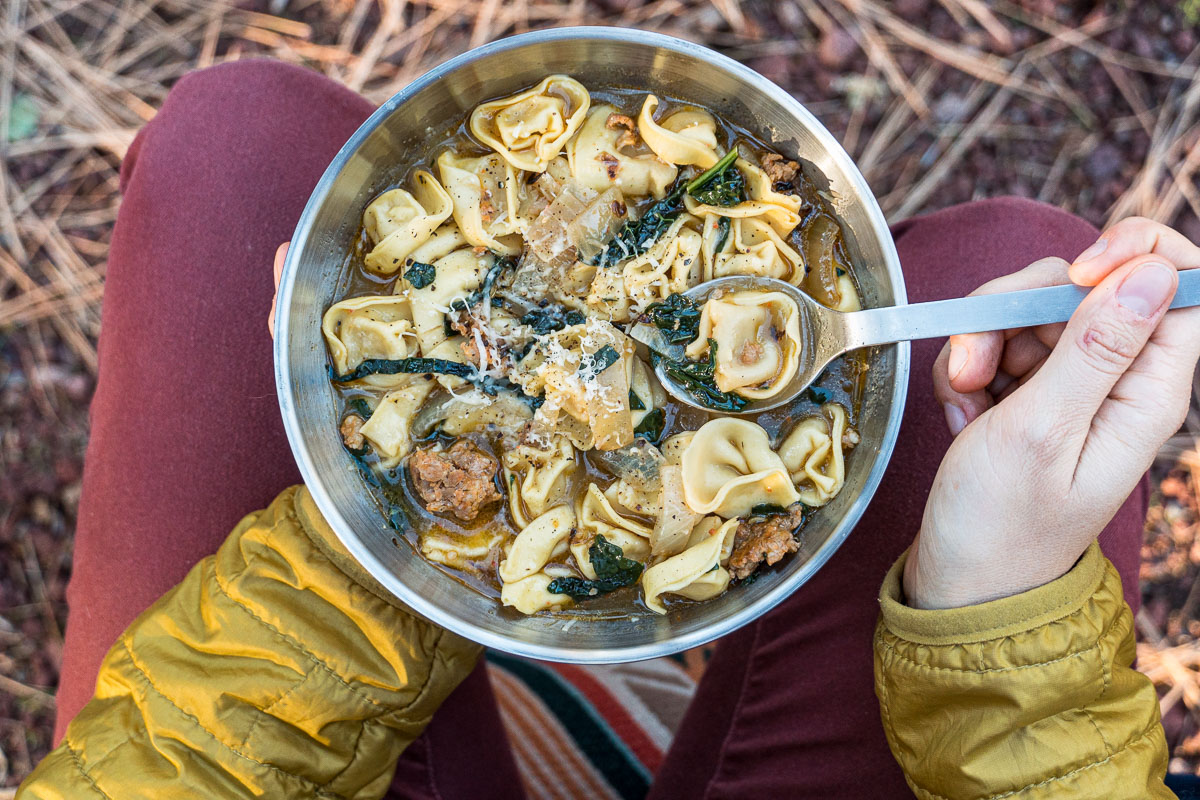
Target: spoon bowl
816,327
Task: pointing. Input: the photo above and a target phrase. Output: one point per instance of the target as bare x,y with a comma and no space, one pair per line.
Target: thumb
1105,335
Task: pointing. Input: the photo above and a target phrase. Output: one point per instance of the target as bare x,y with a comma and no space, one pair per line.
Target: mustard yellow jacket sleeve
277,668
1032,696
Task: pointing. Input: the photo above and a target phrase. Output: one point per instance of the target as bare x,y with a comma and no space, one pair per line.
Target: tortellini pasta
388,428
538,542
758,341
598,162
372,327
459,551
729,468
672,266
813,454
485,195
531,128
457,275
399,221
538,478
526,585
748,246
685,137
598,517
697,573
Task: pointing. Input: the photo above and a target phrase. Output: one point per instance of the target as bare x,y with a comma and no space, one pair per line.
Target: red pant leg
787,707
186,432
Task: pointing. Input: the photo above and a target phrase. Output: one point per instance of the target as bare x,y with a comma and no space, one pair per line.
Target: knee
1023,213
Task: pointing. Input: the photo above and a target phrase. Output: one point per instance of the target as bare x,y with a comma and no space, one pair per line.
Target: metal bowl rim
357,547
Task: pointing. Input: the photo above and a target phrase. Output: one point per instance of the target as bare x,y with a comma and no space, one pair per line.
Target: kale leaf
696,378
420,274
552,318
767,509
484,292
678,317
651,426
724,187
818,395
723,226
427,366
612,570
602,359
358,406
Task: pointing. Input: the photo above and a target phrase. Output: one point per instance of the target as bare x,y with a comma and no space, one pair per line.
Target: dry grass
939,102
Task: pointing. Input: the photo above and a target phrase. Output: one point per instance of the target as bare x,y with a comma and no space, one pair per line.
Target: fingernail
1144,291
958,360
1093,251
956,420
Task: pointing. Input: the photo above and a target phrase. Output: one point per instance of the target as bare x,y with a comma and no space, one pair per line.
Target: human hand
1055,425
280,257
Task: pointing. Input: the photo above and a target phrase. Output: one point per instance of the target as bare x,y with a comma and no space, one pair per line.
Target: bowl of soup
476,300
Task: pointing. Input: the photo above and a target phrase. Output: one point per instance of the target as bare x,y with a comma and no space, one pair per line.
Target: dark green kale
697,379
552,318
723,226
724,187
484,292
678,317
651,426
420,274
767,510
818,395
612,569
358,405
602,359
425,366
635,402
637,236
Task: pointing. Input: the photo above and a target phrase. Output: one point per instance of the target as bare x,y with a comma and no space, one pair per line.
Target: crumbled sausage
621,122
460,480
611,165
779,169
351,431
750,353
850,438
487,211
770,539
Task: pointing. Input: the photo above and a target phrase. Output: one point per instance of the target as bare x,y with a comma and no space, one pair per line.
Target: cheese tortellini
373,327
599,162
697,573
526,584
758,341
498,323
531,128
400,221
729,468
813,454
685,137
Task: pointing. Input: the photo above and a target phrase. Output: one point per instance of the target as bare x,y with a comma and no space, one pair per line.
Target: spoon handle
990,312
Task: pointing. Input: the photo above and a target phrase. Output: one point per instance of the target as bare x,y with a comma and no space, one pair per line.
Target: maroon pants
186,439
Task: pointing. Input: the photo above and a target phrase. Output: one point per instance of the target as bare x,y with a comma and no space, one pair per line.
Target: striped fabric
597,732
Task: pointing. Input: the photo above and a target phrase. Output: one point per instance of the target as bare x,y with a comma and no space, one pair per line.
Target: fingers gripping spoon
827,334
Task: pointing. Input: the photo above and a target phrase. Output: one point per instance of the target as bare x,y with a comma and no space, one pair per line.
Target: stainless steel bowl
401,130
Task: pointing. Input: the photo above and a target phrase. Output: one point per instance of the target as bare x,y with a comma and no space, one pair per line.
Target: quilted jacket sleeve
277,668
1032,696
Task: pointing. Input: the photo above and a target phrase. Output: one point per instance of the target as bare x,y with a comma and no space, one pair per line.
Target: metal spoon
827,334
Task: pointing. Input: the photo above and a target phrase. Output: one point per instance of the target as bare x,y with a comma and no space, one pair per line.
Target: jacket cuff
319,532
994,619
